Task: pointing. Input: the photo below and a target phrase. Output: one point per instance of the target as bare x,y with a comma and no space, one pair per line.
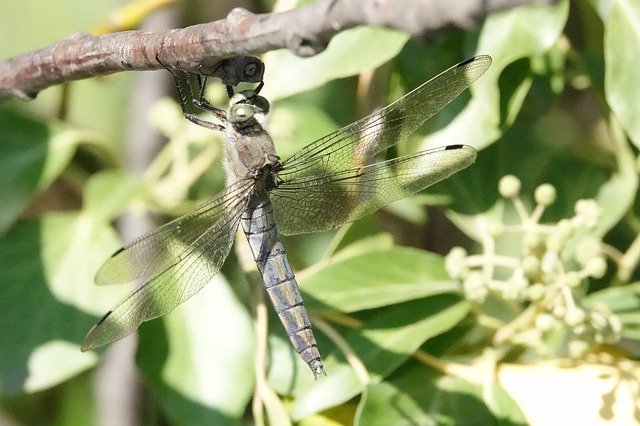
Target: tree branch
306,31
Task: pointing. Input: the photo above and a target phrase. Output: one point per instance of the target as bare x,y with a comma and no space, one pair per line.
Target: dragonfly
336,179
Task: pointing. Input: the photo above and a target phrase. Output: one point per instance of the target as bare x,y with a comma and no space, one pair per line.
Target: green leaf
74,246
358,237
108,194
417,394
54,362
622,58
478,226
210,346
32,154
47,268
618,194
384,343
502,405
624,301
293,125
603,7
619,299
376,278
349,53
520,32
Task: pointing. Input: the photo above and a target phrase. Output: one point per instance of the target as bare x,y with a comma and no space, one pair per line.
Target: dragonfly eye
240,112
250,97
262,104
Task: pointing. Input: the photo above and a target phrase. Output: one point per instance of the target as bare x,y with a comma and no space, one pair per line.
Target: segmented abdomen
259,226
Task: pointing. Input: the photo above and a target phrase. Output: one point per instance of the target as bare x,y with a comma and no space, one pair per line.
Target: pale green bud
545,194
587,212
596,267
575,317
509,186
455,263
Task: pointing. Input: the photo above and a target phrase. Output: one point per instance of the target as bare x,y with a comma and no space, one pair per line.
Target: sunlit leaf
417,394
209,350
108,194
384,343
47,268
73,247
32,154
624,301
622,56
377,278
55,362
349,53
293,125
617,195
549,393
507,36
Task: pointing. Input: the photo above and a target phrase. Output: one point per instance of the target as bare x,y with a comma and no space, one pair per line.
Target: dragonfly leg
185,92
259,88
230,91
202,102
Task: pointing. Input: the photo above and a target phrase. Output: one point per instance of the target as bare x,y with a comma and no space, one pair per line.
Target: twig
305,31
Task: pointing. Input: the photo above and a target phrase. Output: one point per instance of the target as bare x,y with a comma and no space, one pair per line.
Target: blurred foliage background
483,300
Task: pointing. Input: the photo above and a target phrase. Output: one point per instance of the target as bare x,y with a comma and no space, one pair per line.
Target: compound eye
240,112
262,104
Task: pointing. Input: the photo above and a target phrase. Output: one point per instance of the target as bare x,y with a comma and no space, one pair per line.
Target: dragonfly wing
351,146
154,252
320,203
174,263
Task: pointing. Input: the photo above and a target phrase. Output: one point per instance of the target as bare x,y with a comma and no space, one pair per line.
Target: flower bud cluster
544,272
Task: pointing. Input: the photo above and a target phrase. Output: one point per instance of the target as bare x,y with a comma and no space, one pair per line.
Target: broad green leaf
73,247
603,7
76,397
624,298
56,14
47,267
507,36
294,125
478,226
211,351
108,194
384,343
417,395
502,405
54,362
349,53
275,408
359,237
285,372
32,154
206,372
617,195
622,58
376,278
624,301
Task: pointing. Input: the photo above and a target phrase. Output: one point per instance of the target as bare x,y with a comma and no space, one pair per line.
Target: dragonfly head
246,105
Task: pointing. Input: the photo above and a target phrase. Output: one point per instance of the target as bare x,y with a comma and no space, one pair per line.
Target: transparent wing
152,253
332,180
171,264
352,145
322,203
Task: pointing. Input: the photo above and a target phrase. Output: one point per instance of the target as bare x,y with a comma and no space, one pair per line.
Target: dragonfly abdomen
259,226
